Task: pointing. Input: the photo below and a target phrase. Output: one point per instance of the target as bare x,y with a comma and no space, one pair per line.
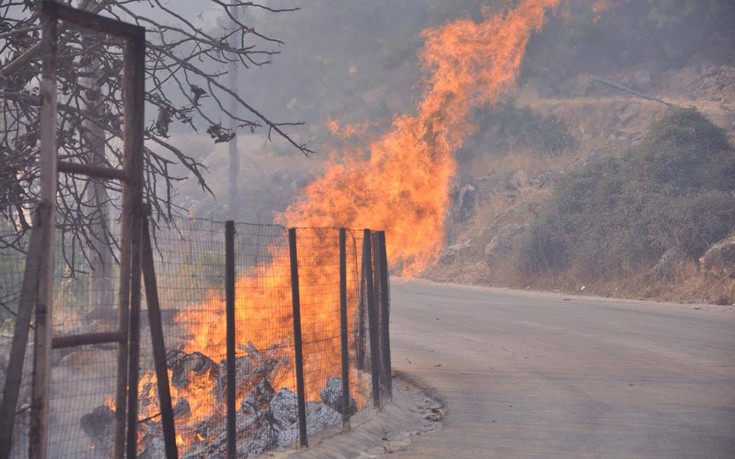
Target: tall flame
404,185
403,188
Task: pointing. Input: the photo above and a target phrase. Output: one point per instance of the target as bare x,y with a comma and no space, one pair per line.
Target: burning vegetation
404,184
400,183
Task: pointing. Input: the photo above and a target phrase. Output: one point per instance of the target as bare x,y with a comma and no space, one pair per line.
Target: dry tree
186,88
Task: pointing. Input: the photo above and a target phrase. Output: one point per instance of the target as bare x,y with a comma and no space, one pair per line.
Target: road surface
524,374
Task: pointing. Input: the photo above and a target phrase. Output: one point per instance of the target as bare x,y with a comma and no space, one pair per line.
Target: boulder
331,396
666,267
719,259
502,243
450,253
463,205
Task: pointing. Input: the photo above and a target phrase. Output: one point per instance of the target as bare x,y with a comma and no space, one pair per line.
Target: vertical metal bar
344,330
360,342
297,335
134,350
387,371
48,180
377,292
159,347
230,319
132,212
377,289
372,316
123,299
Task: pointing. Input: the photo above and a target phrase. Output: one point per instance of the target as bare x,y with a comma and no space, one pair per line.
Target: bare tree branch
183,65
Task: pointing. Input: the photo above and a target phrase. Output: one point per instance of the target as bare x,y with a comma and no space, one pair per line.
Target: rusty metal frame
41,277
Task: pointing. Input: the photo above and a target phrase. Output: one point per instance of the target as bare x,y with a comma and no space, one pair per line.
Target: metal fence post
367,269
344,330
44,297
377,289
360,342
26,305
382,256
157,343
297,335
230,325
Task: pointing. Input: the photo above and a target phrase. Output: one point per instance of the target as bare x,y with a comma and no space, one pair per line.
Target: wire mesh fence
12,264
271,408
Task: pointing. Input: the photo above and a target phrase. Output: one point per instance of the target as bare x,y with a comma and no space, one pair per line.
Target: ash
265,420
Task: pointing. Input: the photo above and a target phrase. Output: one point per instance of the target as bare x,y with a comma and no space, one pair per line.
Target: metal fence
271,334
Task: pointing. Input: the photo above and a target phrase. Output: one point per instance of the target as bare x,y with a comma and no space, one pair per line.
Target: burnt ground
414,412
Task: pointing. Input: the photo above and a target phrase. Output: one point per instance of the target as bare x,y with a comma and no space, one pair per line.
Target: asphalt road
524,374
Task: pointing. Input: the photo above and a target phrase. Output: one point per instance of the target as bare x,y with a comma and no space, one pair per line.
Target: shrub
514,126
672,190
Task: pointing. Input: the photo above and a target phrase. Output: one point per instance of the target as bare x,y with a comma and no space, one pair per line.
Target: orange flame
404,185
402,188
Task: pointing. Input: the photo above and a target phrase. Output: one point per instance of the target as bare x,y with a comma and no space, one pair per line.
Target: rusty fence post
382,261
48,182
230,319
378,298
360,340
367,268
159,347
344,329
298,343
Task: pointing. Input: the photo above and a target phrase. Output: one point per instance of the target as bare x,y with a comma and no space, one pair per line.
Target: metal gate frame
37,289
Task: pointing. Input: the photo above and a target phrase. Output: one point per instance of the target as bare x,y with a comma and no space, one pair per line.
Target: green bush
674,189
514,126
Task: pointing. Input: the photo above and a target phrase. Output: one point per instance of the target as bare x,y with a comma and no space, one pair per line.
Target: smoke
403,187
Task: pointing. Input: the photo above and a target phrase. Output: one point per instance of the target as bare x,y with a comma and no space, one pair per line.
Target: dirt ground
414,411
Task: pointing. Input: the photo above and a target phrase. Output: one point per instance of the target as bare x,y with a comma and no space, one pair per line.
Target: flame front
403,187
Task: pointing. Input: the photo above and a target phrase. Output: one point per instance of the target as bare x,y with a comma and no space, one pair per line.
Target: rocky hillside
504,191
592,83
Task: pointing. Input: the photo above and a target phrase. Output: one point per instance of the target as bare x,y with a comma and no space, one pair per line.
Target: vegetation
602,37
185,61
673,190
512,127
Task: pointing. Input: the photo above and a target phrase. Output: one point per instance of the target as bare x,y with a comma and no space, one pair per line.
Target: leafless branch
183,66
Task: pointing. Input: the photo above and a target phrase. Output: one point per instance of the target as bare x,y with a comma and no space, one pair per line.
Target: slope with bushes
671,191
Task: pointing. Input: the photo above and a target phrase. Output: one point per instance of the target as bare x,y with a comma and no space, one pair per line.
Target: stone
668,263
502,243
185,366
331,396
258,399
719,259
463,206
99,425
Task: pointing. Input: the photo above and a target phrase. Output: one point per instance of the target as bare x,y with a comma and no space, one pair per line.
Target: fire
402,187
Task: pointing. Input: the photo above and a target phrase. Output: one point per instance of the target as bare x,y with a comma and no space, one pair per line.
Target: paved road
526,374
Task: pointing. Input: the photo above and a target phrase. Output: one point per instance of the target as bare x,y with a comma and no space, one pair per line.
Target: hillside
562,117
504,194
